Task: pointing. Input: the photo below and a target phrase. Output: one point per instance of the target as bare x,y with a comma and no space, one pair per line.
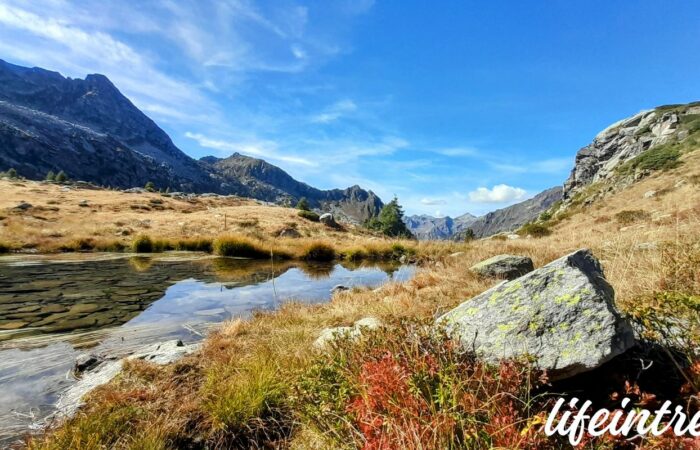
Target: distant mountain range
88,129
501,220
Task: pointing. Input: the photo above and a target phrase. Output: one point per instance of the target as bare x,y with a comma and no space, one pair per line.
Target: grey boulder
504,266
328,220
562,314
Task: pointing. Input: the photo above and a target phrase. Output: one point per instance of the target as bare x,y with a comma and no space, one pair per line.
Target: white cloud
335,111
433,201
458,151
261,149
501,193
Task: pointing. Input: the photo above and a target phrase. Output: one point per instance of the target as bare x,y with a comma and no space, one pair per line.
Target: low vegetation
534,229
661,157
240,247
630,216
309,215
318,251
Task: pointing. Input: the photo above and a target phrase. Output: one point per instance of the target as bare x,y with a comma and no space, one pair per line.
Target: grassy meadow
261,383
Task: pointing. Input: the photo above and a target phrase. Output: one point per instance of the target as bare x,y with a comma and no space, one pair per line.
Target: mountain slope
426,227
513,217
632,148
94,133
267,182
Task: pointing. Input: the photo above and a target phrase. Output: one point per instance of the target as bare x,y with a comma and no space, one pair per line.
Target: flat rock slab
508,267
562,314
105,370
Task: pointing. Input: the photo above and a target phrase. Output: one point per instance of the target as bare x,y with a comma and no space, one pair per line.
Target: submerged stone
562,314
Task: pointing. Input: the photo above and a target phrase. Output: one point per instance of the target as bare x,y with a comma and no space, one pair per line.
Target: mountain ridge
89,129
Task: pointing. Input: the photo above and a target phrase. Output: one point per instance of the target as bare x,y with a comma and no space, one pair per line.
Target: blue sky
454,106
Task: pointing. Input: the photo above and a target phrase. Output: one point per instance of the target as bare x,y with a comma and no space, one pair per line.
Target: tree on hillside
390,221
303,204
61,177
469,235
50,176
12,173
150,187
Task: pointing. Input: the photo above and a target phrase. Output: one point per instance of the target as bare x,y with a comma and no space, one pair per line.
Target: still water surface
54,308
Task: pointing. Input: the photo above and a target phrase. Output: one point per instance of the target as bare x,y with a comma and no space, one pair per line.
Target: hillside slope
90,130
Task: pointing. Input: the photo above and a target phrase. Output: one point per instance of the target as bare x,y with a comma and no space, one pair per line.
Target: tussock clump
5,248
240,247
142,244
318,251
195,245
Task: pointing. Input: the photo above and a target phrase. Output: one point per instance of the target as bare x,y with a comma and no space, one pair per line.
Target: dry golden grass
234,392
57,219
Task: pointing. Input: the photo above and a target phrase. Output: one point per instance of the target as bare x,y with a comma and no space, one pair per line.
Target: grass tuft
240,247
318,251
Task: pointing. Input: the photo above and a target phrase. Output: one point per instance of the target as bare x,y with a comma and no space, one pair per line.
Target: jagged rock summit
663,130
562,314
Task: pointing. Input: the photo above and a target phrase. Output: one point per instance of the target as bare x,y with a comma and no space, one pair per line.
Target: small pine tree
469,235
61,177
390,221
12,173
150,187
303,204
50,176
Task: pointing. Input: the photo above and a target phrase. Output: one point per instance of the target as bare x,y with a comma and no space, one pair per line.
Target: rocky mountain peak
627,139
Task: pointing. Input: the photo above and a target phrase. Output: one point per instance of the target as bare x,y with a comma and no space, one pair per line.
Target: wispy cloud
458,151
433,201
501,193
261,149
335,111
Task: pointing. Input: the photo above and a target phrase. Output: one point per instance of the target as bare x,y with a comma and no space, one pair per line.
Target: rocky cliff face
665,130
88,129
426,227
515,216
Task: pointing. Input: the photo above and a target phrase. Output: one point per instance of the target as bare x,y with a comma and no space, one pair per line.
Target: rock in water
504,266
563,314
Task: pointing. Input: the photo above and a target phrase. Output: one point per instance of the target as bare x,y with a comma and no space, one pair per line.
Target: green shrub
545,216
535,230
61,177
239,247
303,204
50,176
630,216
318,251
150,187
142,244
5,248
309,215
662,157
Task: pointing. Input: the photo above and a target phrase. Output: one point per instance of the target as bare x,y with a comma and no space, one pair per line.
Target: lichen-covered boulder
562,314
508,267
